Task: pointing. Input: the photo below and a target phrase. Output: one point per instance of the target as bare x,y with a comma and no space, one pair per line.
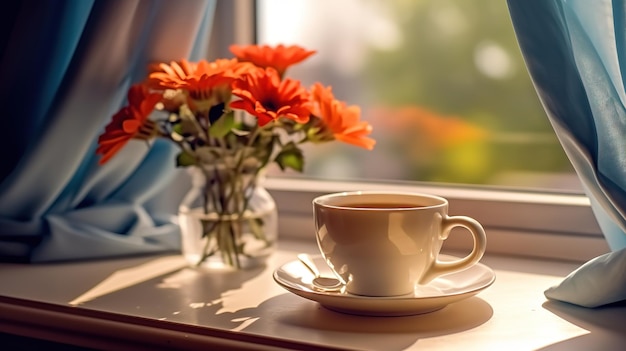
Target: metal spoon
320,283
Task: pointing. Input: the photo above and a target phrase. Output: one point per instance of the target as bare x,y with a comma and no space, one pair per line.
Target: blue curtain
65,68
575,51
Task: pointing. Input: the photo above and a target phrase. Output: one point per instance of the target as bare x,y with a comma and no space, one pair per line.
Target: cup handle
480,244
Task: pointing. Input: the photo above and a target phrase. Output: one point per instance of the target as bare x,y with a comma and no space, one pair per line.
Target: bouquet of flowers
231,118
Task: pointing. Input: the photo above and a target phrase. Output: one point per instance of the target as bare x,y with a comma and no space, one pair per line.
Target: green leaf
223,125
290,157
185,159
178,128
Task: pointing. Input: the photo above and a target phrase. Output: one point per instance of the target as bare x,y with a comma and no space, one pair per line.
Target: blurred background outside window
442,82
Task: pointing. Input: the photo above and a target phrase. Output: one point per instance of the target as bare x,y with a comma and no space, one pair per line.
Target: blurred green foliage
460,58
442,82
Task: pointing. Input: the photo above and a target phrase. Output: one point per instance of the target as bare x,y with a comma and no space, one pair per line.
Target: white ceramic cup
387,243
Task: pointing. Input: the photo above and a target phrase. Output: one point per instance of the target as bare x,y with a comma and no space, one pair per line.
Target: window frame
518,222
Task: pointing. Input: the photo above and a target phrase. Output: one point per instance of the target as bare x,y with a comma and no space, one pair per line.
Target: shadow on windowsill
606,326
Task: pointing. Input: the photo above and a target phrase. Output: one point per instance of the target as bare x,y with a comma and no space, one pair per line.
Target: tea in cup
387,243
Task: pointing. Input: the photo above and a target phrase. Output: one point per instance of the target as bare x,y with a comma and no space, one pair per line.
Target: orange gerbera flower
341,120
178,74
268,98
279,57
130,122
203,80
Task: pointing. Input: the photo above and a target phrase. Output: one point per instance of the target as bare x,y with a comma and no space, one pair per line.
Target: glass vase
228,220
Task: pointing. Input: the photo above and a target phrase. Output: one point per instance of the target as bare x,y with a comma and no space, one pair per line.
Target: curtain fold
575,52
66,67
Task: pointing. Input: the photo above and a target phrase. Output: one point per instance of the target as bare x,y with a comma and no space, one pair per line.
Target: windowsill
158,304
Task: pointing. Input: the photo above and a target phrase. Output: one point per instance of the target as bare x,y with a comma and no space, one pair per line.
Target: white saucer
439,293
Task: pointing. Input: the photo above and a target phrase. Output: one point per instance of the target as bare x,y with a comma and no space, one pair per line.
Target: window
453,108
442,82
